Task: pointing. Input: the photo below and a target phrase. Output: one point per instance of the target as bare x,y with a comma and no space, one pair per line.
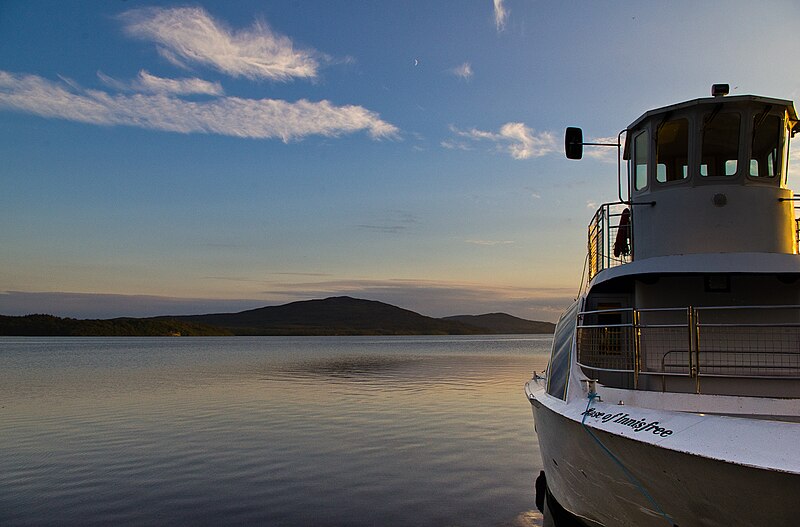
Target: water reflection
269,431
349,367
528,519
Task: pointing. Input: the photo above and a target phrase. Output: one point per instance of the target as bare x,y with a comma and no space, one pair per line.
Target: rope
628,474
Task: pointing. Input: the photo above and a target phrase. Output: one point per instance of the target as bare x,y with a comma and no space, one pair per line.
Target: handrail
602,233
612,310
663,309
731,308
746,325
761,345
606,326
796,199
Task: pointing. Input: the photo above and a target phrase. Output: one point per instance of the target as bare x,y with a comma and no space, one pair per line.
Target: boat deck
770,409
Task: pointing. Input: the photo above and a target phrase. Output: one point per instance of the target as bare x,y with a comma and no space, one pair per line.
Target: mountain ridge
340,315
504,323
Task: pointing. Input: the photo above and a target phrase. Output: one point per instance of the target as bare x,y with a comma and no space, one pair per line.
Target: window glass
672,150
719,152
640,155
558,369
765,152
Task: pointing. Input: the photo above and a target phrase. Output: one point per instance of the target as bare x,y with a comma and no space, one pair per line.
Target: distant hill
340,315
50,326
504,323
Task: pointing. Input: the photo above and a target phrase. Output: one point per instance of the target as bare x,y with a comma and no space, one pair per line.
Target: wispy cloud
454,145
145,82
463,71
516,139
490,243
500,14
534,193
151,83
231,116
189,35
394,222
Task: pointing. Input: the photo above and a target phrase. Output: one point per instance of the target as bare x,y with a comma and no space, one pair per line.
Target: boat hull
661,487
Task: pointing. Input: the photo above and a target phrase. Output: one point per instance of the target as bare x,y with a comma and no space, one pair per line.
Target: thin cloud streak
490,243
150,83
145,82
500,14
393,222
191,35
230,116
455,145
516,139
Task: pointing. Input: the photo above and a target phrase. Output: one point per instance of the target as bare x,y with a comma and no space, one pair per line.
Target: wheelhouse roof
711,101
789,105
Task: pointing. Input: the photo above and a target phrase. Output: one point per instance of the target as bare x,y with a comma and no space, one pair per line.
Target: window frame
690,162
634,141
742,147
780,179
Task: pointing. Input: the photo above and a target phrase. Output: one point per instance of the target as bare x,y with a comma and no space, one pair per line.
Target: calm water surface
428,431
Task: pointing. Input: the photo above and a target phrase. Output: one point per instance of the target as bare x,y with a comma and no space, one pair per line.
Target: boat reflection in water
672,394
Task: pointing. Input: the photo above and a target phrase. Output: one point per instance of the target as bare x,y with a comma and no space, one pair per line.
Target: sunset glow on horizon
164,158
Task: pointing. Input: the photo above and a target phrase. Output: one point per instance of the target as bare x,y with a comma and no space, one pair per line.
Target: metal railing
603,233
796,199
756,342
608,341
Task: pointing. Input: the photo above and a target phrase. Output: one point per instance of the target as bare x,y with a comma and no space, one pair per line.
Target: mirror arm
573,147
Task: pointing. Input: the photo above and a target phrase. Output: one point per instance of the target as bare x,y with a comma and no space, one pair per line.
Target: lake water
322,431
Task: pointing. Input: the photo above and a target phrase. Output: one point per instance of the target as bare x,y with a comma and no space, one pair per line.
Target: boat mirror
573,143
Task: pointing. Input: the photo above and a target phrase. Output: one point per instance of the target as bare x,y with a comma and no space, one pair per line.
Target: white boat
672,394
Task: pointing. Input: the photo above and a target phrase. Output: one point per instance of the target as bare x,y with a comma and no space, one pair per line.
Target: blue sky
176,158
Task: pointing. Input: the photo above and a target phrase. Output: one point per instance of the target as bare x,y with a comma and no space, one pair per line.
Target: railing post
796,225
604,238
695,336
637,357
690,329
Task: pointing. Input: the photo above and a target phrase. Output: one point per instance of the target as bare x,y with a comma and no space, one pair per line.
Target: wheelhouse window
766,152
672,151
719,151
640,154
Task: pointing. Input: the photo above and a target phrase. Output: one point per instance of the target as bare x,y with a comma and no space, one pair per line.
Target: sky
165,158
